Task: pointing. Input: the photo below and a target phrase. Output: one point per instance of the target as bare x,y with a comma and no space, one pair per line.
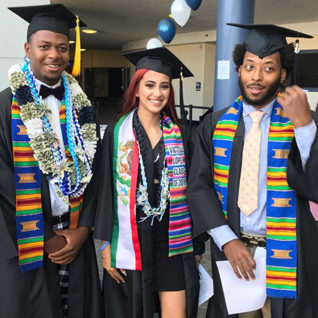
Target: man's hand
113,272
75,239
240,258
295,104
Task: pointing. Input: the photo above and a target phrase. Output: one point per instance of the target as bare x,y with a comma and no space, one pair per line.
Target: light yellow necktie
248,191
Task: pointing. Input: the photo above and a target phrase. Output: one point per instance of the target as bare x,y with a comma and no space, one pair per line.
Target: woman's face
153,92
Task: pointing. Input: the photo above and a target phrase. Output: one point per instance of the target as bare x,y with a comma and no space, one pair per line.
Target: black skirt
168,272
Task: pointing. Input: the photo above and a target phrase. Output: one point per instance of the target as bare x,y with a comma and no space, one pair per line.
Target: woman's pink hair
131,102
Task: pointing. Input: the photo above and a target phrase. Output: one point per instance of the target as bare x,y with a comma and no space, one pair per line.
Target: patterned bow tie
58,92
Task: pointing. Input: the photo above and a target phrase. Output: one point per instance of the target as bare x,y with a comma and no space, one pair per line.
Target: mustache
255,85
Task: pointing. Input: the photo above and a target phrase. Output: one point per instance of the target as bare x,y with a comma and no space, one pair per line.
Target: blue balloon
166,30
193,4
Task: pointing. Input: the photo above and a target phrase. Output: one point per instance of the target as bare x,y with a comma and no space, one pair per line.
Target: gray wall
12,36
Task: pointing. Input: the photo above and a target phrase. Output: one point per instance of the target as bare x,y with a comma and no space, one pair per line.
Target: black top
154,163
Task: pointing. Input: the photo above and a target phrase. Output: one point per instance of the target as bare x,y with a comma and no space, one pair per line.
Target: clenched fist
295,104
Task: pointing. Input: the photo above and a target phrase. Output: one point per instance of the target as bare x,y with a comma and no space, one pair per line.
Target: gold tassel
77,56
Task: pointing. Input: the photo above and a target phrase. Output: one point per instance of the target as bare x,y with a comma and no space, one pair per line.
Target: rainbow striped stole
29,219
281,237
281,244
222,148
125,247
180,226
29,214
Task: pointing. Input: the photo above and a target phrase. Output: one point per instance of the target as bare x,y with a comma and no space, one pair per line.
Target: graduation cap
160,60
52,17
55,18
266,39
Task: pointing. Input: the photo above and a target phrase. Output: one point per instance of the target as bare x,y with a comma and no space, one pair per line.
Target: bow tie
58,92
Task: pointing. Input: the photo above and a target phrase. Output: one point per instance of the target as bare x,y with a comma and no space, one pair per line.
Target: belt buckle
245,240
253,241
250,240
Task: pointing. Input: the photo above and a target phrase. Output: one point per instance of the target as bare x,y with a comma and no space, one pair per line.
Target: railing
191,107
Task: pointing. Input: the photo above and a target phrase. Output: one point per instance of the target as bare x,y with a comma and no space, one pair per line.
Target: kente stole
125,247
29,214
281,241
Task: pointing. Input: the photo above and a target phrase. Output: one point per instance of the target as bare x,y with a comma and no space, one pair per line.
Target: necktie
248,190
58,92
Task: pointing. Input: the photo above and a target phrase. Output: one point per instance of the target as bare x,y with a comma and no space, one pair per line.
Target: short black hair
287,58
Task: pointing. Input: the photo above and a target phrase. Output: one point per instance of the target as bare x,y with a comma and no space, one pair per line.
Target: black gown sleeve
199,241
304,181
104,213
87,217
205,209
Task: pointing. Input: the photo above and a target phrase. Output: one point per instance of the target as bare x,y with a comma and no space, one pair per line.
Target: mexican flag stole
29,214
125,247
281,240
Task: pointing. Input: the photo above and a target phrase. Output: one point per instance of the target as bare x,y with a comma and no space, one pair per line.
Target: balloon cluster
180,11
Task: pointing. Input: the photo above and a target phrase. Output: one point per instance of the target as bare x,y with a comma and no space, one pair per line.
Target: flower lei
71,174
142,193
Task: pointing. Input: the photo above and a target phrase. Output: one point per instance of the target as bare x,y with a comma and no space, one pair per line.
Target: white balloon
180,12
153,43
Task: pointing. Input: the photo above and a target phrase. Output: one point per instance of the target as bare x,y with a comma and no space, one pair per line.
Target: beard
263,100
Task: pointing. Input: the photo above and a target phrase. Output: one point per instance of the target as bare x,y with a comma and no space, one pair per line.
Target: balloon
193,4
180,12
153,43
166,30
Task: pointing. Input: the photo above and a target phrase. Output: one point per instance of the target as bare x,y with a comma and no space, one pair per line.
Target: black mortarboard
160,60
52,17
266,39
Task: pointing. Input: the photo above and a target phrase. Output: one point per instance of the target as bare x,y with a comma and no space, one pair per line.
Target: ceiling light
83,50
89,31
71,42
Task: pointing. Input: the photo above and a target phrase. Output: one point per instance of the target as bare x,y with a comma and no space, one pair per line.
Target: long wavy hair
131,101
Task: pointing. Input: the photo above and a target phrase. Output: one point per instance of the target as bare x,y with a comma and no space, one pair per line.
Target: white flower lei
142,193
43,141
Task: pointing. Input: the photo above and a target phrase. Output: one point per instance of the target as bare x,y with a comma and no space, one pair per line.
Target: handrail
191,107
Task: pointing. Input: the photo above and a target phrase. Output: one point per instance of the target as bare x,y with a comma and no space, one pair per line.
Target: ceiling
122,21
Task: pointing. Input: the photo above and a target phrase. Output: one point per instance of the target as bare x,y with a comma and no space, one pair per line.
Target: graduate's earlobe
283,75
239,71
27,49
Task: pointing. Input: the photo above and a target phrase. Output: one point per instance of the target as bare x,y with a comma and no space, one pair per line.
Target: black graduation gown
36,293
135,298
207,214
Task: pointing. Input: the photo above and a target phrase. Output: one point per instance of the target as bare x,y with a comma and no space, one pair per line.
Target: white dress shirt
58,205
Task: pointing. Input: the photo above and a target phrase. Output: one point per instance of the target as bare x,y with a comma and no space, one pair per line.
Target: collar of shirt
247,108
